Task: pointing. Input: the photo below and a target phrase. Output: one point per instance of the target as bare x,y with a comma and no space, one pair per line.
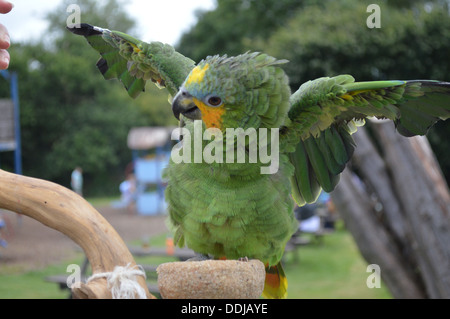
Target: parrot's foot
243,259
199,257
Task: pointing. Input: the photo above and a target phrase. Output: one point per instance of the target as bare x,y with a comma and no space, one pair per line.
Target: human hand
5,7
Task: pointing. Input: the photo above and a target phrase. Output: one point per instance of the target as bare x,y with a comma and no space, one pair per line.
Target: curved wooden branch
59,208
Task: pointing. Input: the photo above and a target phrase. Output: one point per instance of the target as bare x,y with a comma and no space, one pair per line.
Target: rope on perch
122,282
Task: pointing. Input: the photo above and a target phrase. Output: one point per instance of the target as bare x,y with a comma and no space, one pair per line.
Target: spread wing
325,112
133,62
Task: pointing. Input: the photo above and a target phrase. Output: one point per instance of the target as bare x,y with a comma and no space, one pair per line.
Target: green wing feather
325,112
133,62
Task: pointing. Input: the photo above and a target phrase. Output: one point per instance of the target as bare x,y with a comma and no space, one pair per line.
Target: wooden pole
425,197
61,209
409,236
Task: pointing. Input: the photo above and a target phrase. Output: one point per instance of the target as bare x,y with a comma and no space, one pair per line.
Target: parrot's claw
243,259
199,257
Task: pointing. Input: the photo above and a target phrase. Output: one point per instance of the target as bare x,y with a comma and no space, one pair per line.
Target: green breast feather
230,209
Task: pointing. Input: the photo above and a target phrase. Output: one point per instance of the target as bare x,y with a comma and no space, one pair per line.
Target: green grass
333,269
102,201
14,284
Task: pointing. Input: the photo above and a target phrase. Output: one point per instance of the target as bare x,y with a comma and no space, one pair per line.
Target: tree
396,205
227,28
334,39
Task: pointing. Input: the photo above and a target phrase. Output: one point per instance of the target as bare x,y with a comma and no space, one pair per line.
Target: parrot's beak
183,103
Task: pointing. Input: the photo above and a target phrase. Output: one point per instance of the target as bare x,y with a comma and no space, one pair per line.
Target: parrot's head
249,90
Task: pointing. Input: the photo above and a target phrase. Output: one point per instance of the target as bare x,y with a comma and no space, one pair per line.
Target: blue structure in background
148,169
16,146
150,201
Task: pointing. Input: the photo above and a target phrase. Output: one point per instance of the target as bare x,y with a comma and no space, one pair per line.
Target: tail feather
276,284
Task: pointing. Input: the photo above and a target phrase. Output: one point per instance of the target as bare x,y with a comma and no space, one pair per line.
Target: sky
27,19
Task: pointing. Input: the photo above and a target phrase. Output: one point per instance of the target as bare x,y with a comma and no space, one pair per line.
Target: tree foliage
225,29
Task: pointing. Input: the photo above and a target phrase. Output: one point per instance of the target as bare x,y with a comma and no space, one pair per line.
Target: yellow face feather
211,116
197,74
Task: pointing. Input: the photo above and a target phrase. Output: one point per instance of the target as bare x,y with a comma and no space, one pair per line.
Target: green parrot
230,209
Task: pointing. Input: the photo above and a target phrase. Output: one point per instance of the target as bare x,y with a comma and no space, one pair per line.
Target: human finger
5,6
5,41
4,59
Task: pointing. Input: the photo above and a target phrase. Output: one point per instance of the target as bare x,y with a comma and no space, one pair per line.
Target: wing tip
102,66
85,29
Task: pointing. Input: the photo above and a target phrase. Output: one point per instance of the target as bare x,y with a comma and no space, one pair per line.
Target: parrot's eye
214,101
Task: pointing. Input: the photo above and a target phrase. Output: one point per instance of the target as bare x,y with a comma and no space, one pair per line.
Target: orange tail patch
276,284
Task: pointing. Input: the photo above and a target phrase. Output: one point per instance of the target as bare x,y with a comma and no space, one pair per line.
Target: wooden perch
61,209
212,279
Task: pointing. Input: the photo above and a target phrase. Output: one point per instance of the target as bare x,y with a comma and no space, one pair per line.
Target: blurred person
5,42
5,228
76,180
3,242
128,192
309,219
